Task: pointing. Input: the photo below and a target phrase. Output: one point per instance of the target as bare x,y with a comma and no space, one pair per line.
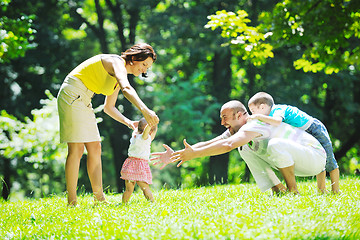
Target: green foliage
33,147
186,112
15,34
44,66
236,168
354,161
319,37
246,41
218,212
326,33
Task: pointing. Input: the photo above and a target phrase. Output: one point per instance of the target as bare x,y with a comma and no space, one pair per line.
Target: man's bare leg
320,179
289,176
279,189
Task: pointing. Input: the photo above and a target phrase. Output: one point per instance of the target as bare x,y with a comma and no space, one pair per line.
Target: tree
25,79
25,76
15,33
318,36
29,151
326,33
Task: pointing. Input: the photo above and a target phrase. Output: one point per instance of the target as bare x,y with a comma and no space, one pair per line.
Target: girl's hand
163,157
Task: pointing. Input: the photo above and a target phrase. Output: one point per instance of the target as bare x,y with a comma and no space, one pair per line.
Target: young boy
263,108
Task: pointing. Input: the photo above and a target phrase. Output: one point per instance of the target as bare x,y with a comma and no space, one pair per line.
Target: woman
102,74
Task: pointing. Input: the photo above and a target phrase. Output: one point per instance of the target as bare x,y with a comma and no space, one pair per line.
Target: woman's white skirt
76,115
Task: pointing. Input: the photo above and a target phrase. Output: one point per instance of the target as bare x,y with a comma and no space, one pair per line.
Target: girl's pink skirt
136,169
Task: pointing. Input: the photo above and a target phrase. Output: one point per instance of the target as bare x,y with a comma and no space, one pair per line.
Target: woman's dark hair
139,52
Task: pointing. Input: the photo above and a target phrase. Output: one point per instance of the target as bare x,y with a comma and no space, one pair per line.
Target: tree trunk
120,138
218,173
218,169
119,141
133,22
101,31
250,72
6,185
116,11
354,138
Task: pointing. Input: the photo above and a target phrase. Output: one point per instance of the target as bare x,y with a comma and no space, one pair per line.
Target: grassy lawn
219,212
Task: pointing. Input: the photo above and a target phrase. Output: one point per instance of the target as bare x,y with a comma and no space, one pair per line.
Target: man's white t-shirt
267,131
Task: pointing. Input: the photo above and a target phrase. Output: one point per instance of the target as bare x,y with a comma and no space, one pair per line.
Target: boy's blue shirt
290,115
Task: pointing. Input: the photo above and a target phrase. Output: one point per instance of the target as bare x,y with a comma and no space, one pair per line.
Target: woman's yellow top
94,76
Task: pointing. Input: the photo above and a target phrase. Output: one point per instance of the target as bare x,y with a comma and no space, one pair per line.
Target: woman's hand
133,125
151,117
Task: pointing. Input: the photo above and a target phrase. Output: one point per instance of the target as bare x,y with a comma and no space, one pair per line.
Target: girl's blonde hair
142,125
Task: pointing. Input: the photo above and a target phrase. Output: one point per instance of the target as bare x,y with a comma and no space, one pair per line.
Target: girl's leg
75,151
146,190
129,188
94,169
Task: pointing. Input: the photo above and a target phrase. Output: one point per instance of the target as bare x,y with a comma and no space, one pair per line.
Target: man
263,147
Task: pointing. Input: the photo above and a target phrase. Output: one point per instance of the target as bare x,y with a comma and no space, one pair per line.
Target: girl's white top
139,148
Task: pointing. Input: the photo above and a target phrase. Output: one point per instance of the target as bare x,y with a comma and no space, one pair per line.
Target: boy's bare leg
129,189
146,190
289,176
334,177
75,151
320,179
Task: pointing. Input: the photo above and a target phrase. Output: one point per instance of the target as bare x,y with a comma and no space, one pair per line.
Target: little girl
136,167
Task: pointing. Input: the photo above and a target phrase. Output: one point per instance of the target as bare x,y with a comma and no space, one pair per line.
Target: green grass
219,212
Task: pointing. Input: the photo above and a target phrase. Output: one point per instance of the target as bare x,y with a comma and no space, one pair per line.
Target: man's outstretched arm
215,148
164,157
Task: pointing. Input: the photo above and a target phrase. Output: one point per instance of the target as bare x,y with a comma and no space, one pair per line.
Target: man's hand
183,155
163,157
